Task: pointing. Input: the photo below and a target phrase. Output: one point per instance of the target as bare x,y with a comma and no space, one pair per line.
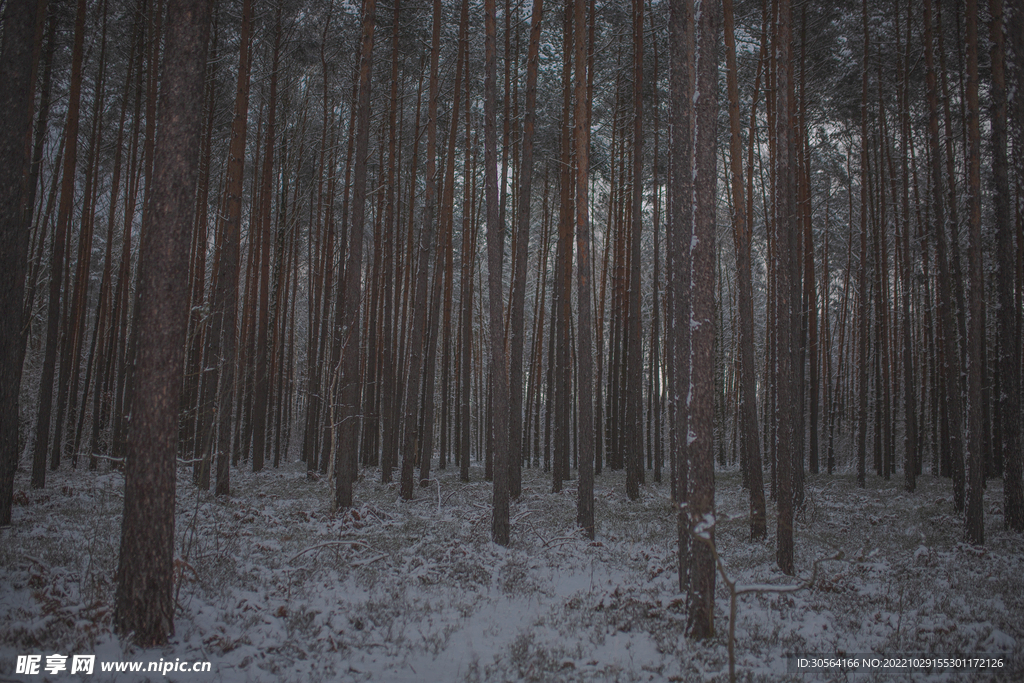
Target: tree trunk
701,399
788,291
144,601
1009,309
16,99
585,492
742,234
518,304
678,235
348,413
495,255
262,369
59,247
975,521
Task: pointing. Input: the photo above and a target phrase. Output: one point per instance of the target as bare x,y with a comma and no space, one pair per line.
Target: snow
275,586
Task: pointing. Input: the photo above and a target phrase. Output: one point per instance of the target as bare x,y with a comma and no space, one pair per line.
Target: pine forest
511,340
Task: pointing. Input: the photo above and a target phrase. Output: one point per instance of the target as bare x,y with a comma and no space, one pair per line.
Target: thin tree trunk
495,255
412,446
678,235
59,257
348,441
975,513
1007,60
585,493
262,369
742,235
634,361
517,330
787,289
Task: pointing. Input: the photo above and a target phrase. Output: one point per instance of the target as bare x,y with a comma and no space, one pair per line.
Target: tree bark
975,520
144,602
495,255
348,410
742,235
16,99
788,293
1009,308
585,492
701,398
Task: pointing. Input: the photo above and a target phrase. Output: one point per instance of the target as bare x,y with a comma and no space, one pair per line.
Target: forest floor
274,586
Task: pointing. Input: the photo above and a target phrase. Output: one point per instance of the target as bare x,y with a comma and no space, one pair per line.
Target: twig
36,561
99,456
522,515
328,544
370,560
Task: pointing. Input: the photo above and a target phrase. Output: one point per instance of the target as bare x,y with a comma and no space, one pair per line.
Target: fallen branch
735,591
328,544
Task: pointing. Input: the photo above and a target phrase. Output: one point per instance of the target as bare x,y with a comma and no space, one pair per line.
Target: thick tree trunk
1009,308
701,399
144,601
16,98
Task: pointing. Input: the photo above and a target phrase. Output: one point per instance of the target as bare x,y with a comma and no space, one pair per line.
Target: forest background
783,239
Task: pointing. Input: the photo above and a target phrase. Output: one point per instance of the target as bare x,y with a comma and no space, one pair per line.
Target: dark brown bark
911,457
262,360
678,234
975,513
701,399
222,339
1009,307
19,19
563,272
742,235
144,602
862,272
633,431
468,256
517,331
412,445
348,410
585,435
788,293
952,423
495,256
58,260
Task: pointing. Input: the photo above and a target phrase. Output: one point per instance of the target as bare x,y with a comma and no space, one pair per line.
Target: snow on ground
274,586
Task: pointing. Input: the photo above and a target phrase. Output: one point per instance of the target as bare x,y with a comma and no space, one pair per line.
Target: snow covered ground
273,586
